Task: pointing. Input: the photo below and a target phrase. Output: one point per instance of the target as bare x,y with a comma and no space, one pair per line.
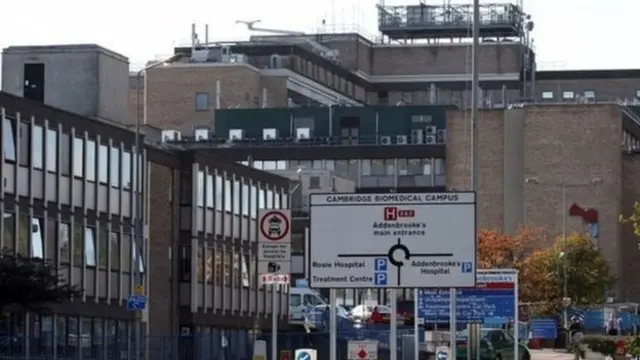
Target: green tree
633,219
30,284
588,276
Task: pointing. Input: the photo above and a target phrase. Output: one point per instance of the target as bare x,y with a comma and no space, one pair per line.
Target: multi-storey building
526,155
69,195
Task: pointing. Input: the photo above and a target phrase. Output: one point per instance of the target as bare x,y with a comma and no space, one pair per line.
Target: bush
632,345
605,345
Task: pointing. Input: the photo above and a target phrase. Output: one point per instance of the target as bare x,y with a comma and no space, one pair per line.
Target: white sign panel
274,241
392,240
362,350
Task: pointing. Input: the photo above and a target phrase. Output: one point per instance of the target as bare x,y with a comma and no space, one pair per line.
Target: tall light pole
141,116
563,186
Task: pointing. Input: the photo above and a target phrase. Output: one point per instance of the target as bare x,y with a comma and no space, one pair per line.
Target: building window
236,197
89,247
77,240
37,244
261,199
8,140
115,166
77,157
269,200
136,254
90,163
590,94
65,154
37,143
23,152
218,188
638,94
52,150
254,202
114,245
245,199
567,95
103,159
210,190
103,248
202,101
547,95
126,169
314,182
64,243
125,244
200,188
227,195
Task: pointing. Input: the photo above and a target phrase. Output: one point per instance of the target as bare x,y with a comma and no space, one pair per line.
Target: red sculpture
589,216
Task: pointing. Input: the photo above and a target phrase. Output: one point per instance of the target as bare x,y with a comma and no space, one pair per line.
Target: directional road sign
442,353
274,242
305,354
136,303
393,240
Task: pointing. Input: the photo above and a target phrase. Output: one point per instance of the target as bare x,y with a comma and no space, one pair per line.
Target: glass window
24,233
258,164
285,201
202,101
65,154
245,199
590,94
103,248
210,190
103,171
390,166
125,244
52,150
78,242
330,164
547,95
89,247
276,203
269,165
64,245
227,195
50,239
218,187
261,202
281,165
8,140
24,152
114,244
200,189
377,167
77,157
414,167
254,202
37,146
366,166
427,168
126,169
567,94
439,166
90,164
37,244
137,249
236,197
9,230
115,167
269,202
402,167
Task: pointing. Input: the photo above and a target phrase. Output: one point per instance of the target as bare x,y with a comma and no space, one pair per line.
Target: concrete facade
94,79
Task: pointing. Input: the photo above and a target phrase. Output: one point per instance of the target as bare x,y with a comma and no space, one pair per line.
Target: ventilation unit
170,135
431,130
200,55
269,134
202,134
236,134
225,54
276,62
385,140
442,136
402,140
303,133
430,139
417,136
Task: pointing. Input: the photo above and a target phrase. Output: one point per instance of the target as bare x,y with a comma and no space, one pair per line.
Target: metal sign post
333,326
416,327
274,260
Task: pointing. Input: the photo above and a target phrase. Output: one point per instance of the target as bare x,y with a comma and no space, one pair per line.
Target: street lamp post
565,214
137,193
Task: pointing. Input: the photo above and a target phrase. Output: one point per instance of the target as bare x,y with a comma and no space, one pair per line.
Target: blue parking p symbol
467,267
380,278
380,264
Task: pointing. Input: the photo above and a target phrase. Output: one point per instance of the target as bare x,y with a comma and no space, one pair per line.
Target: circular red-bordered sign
274,225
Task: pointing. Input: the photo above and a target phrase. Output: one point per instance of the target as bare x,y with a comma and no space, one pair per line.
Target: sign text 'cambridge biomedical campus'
392,240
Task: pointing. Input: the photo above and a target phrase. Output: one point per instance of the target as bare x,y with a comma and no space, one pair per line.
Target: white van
301,299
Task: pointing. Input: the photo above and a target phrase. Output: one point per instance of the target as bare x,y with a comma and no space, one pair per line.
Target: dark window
34,82
8,137
202,101
89,247
314,182
65,154
78,244
114,243
185,263
64,243
125,244
9,230
24,153
103,248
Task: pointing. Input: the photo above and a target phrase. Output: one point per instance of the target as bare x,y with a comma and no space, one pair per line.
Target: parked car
404,309
317,318
495,344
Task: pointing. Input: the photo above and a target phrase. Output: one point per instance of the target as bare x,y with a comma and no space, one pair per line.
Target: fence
196,347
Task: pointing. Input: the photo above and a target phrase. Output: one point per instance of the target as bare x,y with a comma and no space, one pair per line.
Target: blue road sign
136,303
380,271
380,278
474,305
303,355
467,267
544,328
441,355
380,264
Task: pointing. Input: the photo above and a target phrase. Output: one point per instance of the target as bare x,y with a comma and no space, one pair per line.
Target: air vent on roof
402,139
200,55
430,139
170,135
202,134
269,134
236,134
385,140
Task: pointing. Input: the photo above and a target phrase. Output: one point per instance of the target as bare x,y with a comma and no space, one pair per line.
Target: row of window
72,244
571,95
40,147
353,168
236,196
219,263
66,336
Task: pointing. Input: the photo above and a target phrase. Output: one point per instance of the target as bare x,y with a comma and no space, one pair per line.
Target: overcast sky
568,33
